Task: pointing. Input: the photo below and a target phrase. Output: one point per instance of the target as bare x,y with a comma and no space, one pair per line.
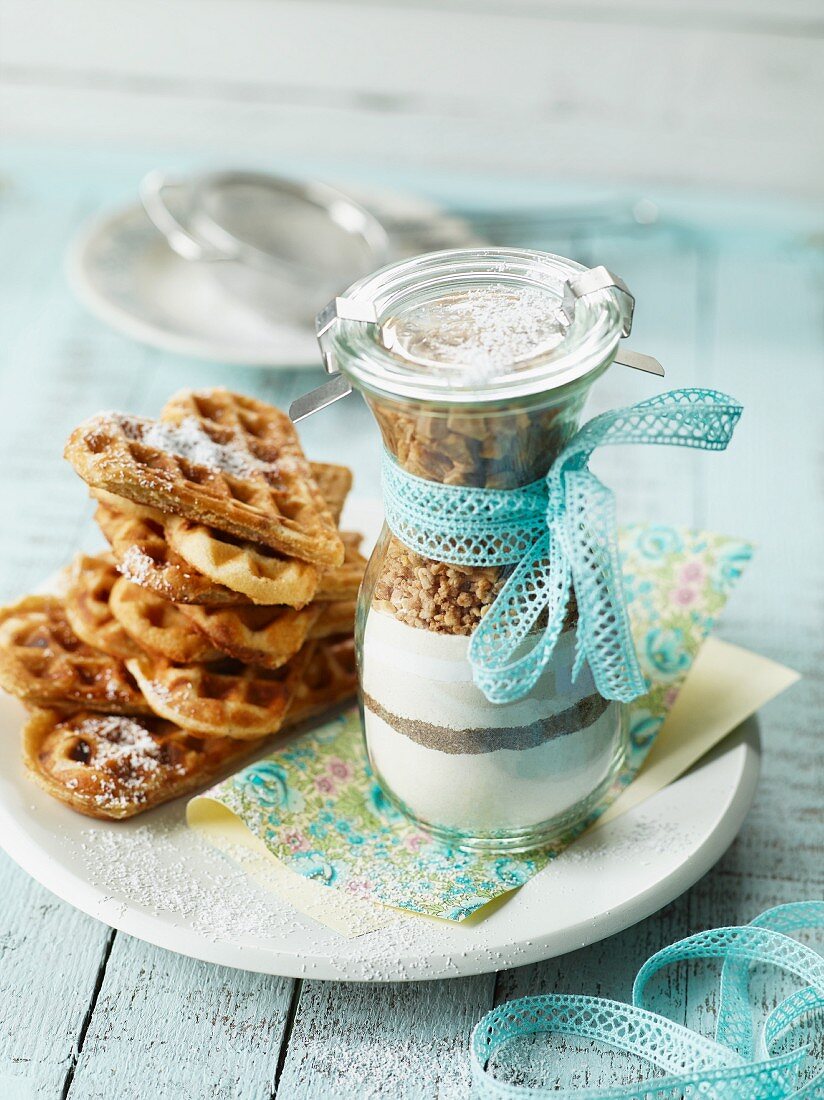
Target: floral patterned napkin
318,809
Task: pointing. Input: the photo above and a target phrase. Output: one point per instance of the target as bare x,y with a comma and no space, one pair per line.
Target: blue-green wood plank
767,349
50,959
173,1028
406,1040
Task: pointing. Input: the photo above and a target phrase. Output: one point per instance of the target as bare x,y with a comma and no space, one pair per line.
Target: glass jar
476,376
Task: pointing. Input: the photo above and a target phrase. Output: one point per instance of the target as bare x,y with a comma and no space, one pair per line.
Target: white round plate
154,878
121,268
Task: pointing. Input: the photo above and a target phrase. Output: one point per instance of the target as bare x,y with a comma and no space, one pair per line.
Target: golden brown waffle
342,582
300,516
224,699
261,438
227,461
221,459
255,572
159,627
334,483
329,679
110,766
143,556
266,636
44,663
128,507
90,582
337,617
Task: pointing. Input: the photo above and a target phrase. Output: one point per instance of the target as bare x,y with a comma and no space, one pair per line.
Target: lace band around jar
560,533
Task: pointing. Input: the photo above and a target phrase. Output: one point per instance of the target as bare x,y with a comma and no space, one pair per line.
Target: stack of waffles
222,613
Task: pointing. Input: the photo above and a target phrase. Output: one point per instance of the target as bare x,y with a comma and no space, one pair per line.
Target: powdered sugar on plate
167,869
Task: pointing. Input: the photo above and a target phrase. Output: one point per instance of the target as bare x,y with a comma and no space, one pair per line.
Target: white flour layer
416,676
505,789
419,674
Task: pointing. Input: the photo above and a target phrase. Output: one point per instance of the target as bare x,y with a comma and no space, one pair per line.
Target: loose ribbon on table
736,1065
560,533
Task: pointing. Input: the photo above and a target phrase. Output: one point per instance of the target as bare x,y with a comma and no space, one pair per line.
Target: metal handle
179,238
601,278
320,398
638,361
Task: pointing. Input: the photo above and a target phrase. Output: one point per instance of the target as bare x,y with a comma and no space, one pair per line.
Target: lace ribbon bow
560,533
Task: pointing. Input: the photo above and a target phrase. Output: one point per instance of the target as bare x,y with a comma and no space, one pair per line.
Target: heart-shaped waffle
329,679
111,766
90,583
254,572
342,582
228,461
144,557
44,663
224,699
265,636
160,628
336,617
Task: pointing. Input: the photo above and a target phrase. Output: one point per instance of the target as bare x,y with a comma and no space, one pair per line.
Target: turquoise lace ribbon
736,1065
558,532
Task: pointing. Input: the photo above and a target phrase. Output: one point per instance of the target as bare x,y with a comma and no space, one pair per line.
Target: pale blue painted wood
774,362
51,957
163,1025
367,1041
178,1029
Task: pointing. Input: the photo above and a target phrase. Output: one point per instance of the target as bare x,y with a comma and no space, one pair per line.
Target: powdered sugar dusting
482,330
136,566
120,740
123,755
164,869
170,870
188,440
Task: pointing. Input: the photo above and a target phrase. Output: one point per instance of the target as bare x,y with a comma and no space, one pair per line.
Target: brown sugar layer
492,449
447,599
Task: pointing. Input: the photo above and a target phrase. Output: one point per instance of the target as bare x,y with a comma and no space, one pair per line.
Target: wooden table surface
88,1012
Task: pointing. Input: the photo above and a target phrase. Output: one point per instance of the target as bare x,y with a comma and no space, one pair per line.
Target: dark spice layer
473,741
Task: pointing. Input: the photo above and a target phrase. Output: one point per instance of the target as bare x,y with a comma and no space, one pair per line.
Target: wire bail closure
594,280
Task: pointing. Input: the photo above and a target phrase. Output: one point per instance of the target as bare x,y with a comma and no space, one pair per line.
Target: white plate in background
122,269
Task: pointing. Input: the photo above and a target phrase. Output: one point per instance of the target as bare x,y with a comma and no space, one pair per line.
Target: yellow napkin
725,685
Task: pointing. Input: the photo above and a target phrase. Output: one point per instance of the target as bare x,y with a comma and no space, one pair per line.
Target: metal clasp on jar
593,281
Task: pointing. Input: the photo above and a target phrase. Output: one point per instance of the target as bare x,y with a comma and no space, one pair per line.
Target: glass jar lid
475,325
